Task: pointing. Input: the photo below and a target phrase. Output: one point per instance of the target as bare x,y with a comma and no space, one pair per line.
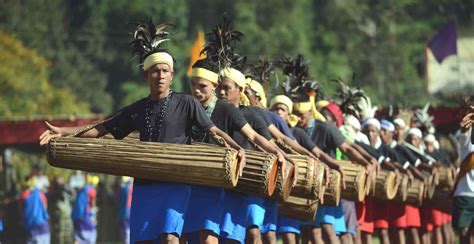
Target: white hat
352,121
387,125
429,138
372,121
415,131
399,122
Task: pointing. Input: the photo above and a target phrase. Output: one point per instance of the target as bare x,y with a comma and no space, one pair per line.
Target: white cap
352,121
415,131
399,122
387,125
429,138
372,121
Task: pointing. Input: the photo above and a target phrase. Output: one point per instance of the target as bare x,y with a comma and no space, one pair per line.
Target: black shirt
303,138
406,154
327,137
227,118
256,121
260,112
182,113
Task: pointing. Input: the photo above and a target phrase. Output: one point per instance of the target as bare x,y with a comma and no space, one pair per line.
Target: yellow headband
283,100
235,76
316,114
302,106
205,74
258,88
158,58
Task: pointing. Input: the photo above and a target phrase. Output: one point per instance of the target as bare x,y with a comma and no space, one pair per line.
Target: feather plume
423,120
149,38
350,98
261,71
221,44
299,81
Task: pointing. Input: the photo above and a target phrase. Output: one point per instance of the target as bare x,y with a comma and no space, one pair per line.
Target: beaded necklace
154,115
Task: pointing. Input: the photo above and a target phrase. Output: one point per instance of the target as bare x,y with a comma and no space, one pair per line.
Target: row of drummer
324,133
226,104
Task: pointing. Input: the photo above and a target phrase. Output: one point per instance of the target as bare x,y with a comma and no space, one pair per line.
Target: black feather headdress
221,44
261,71
299,81
349,97
149,38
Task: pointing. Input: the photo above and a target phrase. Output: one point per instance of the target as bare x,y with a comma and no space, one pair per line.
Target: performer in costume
463,207
227,118
231,90
158,208
84,212
257,97
396,215
327,137
282,105
33,207
236,218
125,203
387,158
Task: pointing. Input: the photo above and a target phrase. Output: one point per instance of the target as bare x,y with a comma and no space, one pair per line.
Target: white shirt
465,186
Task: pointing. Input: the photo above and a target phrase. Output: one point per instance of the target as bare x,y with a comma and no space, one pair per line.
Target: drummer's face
414,140
372,133
304,118
399,132
202,89
386,135
281,110
228,91
159,78
429,146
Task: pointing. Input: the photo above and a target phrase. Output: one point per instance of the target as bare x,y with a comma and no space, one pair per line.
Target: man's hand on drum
50,133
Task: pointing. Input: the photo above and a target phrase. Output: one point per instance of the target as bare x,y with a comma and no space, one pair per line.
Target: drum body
259,176
386,185
298,208
188,164
355,179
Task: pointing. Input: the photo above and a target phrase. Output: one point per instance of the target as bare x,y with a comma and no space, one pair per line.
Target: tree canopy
86,42
24,85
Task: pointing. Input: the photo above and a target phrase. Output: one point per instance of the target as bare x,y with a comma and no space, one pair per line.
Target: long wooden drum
446,176
305,177
259,176
284,183
430,184
189,164
386,185
332,195
402,191
298,208
355,179
319,182
415,193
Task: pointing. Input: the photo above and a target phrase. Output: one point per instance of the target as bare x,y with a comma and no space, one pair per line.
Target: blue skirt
234,217
205,209
255,211
158,208
334,215
271,216
288,225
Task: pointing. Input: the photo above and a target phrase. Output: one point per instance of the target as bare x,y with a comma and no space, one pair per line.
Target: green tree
24,84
